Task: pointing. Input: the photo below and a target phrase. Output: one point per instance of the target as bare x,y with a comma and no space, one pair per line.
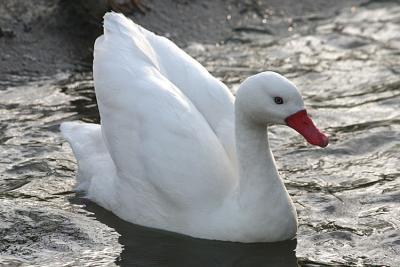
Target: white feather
165,154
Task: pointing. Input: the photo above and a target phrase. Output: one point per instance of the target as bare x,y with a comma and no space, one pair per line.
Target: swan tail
90,152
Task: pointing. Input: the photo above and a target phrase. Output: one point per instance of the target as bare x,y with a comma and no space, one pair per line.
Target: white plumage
170,152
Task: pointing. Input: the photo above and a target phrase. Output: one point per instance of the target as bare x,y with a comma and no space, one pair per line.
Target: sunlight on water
347,195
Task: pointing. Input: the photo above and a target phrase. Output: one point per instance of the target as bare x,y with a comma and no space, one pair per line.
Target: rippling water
347,195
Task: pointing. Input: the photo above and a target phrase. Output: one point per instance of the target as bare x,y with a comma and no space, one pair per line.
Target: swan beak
302,123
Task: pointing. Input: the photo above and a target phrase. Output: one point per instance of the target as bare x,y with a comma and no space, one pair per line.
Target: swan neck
258,176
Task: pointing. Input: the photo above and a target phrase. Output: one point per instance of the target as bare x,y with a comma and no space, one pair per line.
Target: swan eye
278,100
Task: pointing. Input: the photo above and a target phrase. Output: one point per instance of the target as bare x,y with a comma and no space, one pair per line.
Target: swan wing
154,134
209,95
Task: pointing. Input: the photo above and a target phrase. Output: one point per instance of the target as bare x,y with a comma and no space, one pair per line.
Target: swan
175,150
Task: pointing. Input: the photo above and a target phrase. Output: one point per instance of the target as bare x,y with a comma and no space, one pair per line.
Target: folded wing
152,130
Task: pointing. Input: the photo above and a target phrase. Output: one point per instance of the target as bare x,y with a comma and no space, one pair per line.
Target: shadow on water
149,247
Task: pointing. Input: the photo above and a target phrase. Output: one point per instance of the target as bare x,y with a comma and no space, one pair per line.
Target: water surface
347,195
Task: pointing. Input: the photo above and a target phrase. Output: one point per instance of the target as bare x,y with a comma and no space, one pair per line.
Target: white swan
175,151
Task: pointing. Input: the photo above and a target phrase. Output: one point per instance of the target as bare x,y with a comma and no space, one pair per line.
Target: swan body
175,150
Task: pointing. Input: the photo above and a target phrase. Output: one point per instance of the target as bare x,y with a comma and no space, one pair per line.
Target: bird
175,150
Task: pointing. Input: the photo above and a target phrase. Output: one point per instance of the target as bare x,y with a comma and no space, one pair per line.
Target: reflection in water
148,247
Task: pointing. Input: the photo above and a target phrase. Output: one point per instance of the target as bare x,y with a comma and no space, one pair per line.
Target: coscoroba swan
175,151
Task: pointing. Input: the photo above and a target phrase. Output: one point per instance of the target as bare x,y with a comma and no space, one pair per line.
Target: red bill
303,124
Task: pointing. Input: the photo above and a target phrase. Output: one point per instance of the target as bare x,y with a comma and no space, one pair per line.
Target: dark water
150,247
347,195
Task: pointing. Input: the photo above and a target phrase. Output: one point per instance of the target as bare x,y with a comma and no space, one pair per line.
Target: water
151,247
347,195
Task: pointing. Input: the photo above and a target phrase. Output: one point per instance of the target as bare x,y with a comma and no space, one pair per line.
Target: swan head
269,98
